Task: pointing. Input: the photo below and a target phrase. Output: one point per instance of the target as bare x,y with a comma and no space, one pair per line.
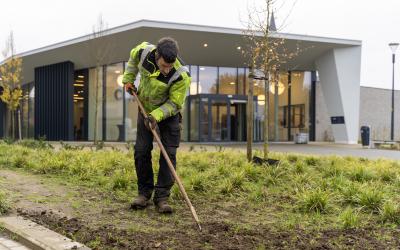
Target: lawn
304,202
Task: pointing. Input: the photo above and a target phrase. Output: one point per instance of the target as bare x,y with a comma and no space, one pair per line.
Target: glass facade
27,111
227,81
194,73
215,109
114,101
131,113
24,109
80,86
287,104
95,78
208,80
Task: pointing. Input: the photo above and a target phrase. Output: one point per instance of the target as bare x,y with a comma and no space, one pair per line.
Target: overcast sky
44,22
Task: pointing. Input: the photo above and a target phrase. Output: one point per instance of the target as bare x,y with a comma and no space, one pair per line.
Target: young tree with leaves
10,73
265,52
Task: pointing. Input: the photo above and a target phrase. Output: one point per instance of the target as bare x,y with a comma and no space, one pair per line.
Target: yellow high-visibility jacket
161,96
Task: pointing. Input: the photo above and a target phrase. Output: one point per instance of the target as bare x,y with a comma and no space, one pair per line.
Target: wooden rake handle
170,165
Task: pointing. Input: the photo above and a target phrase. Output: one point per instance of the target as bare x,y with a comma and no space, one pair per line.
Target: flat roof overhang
221,50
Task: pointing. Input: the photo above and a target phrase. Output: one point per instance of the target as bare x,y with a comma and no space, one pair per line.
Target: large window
227,81
208,80
297,116
194,119
241,81
131,113
193,90
24,107
95,78
114,102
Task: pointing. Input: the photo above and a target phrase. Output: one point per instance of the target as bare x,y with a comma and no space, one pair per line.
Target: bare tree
265,52
100,49
10,73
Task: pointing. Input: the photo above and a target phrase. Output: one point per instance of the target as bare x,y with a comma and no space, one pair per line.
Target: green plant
35,144
292,158
237,180
349,218
226,187
349,193
99,145
273,175
332,170
198,183
130,145
4,203
390,212
314,201
361,174
312,160
251,172
387,175
299,167
121,180
9,140
370,199
67,146
258,194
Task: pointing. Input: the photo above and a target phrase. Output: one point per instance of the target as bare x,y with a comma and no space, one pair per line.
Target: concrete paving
36,236
6,243
313,148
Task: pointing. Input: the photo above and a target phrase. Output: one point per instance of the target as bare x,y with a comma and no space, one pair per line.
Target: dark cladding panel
54,101
3,111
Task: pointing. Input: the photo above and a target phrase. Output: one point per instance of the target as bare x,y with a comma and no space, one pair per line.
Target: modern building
60,99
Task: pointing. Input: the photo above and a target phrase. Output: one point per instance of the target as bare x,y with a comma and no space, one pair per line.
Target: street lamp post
393,47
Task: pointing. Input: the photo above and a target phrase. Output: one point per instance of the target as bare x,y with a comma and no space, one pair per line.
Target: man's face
164,67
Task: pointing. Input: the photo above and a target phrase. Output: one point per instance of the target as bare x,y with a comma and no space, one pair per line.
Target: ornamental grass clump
349,218
370,199
4,203
390,212
314,201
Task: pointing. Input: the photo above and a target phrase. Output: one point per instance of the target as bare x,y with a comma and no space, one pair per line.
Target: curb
37,237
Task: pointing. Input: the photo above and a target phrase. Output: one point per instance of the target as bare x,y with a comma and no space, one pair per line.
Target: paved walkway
314,148
7,244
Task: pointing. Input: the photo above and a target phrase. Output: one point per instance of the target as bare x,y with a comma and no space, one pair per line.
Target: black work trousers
170,137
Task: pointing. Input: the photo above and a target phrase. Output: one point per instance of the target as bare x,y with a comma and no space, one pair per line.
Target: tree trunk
250,112
19,125
266,116
12,125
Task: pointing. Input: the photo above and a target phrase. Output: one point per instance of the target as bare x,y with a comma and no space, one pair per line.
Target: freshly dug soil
216,235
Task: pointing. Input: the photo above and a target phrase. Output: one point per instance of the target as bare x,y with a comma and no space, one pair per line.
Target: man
164,82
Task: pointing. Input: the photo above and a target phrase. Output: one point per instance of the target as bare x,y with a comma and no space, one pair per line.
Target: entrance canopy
222,46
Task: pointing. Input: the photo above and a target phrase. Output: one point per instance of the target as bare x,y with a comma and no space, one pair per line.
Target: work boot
140,202
163,207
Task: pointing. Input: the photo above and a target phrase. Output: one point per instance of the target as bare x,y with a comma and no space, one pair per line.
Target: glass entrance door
220,120
238,120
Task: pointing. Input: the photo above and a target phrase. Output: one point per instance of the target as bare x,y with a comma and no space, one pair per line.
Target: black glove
130,88
150,122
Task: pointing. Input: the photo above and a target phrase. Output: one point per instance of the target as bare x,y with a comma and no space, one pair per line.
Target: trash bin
365,135
301,138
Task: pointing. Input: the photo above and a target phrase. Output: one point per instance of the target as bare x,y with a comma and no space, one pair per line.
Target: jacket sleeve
176,99
132,69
